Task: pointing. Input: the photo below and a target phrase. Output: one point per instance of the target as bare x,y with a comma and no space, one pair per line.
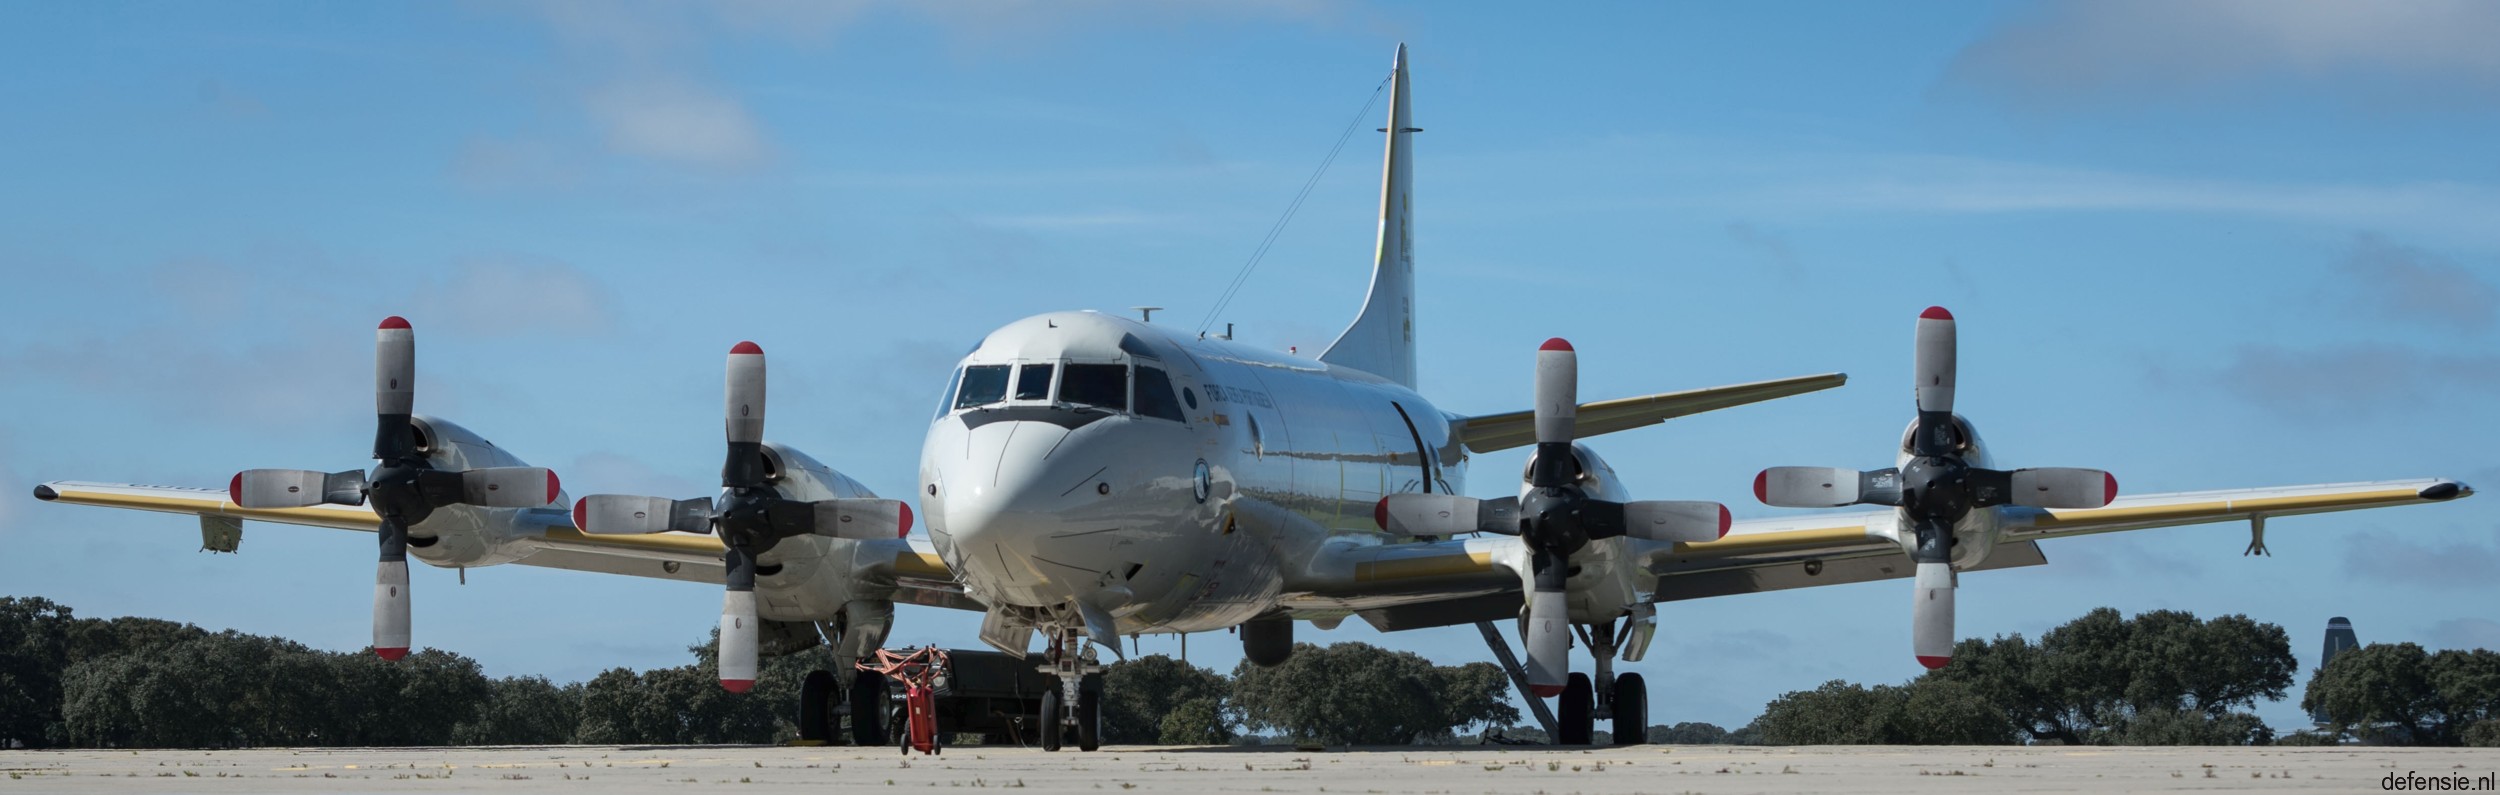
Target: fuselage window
983,384
1033,382
1154,396
1190,395
1100,385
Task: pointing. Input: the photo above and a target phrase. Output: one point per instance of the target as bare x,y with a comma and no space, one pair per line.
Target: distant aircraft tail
1381,341
2339,639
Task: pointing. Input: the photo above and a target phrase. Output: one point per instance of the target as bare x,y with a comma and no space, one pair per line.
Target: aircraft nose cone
1017,509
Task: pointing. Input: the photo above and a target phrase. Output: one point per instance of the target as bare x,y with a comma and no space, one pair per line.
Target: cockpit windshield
983,384
1097,386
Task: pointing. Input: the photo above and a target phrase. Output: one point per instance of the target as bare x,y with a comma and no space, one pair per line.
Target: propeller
750,515
404,487
1936,489
1555,517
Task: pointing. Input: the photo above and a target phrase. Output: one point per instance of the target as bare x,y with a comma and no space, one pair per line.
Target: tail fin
1381,341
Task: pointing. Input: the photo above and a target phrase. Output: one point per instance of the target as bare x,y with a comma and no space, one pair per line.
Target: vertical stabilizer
2339,639
1381,341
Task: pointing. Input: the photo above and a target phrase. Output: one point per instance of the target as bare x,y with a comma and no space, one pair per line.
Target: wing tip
44,492
2445,490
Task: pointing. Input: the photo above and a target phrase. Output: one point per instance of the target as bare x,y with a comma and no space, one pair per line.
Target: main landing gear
824,703
1072,711
1621,699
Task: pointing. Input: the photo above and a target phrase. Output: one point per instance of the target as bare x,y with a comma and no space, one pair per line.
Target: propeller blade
394,388
1935,362
1557,391
743,414
738,633
296,488
1826,487
2061,487
509,487
1446,515
622,514
1548,630
1931,614
390,593
1674,521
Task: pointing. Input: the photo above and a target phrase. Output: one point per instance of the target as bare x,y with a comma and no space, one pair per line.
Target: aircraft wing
1443,583
921,578
1775,553
1489,432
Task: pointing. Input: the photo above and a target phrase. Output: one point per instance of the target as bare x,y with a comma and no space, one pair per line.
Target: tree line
2158,678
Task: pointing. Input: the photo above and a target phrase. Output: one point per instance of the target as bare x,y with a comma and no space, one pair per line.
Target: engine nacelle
461,536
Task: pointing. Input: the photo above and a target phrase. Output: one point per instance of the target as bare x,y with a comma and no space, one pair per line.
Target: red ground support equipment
919,672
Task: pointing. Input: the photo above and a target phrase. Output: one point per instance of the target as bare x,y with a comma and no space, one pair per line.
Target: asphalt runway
611,770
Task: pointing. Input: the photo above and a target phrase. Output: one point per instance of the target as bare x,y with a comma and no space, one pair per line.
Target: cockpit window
1154,396
983,384
946,399
1100,385
1033,382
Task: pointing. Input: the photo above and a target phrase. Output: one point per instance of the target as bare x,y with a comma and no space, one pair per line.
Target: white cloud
2443,561
2126,50
504,295
2401,282
2466,633
680,120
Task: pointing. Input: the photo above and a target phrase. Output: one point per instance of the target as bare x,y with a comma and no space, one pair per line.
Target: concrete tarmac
612,770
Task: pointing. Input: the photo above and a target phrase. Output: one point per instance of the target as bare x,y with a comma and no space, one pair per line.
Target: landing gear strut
1074,709
1624,699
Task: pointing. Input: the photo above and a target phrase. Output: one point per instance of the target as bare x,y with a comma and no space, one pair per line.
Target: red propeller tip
1762,486
392,655
747,347
1726,521
1380,513
394,321
2109,488
554,486
1933,663
905,528
1935,313
581,513
1555,344
234,489
737,685
1546,691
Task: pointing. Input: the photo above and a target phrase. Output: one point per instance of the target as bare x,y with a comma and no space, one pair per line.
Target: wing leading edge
1489,432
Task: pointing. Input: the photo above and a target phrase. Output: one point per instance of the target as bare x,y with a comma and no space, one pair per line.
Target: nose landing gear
1073,711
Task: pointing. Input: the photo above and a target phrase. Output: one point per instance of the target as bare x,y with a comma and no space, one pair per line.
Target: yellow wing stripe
914,563
1424,566
657,542
311,516
2214,509
1773,541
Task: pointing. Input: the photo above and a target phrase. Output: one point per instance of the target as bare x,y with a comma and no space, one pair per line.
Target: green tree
34,650
1687,733
1347,694
2087,680
1140,695
1837,713
1476,694
524,710
2485,734
607,711
2378,683
1198,721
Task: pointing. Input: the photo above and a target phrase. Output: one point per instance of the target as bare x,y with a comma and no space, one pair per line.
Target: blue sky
2202,245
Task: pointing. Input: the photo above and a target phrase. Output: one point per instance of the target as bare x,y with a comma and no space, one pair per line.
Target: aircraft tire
868,708
1051,728
1576,716
1089,714
1631,710
816,694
